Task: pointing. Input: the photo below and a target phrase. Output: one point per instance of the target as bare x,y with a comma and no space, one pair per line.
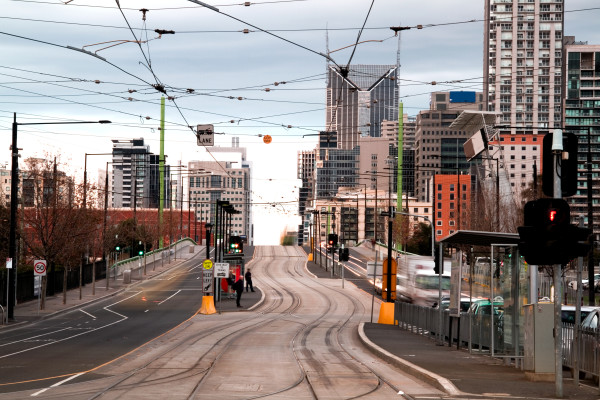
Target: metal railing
474,332
588,354
136,264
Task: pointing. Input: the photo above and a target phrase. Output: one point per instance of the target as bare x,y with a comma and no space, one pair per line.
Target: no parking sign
39,267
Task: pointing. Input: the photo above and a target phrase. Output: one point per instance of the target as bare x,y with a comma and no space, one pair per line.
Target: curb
432,379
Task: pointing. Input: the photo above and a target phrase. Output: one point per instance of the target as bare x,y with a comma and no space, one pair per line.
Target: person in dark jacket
238,286
248,277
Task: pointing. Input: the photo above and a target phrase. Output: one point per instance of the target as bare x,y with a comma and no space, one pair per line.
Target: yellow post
208,305
386,314
310,257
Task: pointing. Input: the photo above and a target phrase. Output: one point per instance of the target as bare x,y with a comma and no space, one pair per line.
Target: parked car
591,319
465,303
568,313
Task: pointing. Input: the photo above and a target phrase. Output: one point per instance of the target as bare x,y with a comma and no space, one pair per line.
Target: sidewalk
29,311
456,372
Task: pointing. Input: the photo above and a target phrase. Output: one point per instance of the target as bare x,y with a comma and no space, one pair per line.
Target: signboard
207,264
37,285
222,270
207,277
205,135
9,263
39,267
374,268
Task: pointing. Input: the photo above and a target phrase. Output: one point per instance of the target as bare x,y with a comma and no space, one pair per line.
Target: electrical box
539,342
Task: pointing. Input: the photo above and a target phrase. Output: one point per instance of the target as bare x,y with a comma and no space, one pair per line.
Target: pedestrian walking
248,277
238,286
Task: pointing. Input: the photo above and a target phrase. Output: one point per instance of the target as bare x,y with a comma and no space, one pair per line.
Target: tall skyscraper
582,108
358,104
523,56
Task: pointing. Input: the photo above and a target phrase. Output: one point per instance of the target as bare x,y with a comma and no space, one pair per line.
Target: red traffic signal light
548,236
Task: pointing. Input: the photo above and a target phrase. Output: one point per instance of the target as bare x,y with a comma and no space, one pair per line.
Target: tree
420,241
56,228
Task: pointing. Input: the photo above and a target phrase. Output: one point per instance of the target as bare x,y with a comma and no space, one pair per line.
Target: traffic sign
9,263
267,139
39,267
205,135
222,270
207,264
207,282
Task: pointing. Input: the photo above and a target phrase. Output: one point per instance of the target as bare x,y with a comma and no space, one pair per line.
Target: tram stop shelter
491,277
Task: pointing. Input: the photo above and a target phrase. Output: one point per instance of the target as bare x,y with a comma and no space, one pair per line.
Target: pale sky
42,80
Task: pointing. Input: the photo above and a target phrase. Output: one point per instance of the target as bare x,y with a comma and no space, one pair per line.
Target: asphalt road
300,341
44,353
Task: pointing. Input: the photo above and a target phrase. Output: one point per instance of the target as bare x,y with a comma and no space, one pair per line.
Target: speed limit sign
39,267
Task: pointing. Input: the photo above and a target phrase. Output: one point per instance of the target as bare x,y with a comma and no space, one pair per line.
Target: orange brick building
450,213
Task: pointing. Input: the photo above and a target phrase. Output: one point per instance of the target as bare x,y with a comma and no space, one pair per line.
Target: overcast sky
42,80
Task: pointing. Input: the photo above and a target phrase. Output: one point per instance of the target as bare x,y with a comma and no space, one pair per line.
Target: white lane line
87,313
57,384
123,318
35,337
173,295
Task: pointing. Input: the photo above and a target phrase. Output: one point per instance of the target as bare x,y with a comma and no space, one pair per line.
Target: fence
56,278
475,333
136,264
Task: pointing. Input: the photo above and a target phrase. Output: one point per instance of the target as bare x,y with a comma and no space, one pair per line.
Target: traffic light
332,240
548,237
344,254
117,248
437,260
236,245
568,164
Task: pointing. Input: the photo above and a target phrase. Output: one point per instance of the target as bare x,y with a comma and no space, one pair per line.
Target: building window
438,223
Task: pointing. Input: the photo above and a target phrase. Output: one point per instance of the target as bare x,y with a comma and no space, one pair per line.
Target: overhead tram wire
160,88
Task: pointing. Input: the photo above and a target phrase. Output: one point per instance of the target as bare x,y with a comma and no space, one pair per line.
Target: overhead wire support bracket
205,5
86,52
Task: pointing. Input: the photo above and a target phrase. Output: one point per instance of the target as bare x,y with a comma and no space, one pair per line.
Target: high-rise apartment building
582,108
226,180
523,75
135,176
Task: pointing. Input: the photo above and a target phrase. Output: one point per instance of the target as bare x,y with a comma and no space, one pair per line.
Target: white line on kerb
57,384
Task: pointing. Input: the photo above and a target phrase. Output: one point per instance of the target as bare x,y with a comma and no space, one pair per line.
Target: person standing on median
248,277
238,286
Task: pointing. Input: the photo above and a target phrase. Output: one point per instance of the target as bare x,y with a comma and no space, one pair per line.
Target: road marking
173,295
33,337
57,384
123,318
87,313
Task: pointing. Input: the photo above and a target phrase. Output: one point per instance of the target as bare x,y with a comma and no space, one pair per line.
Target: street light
11,283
